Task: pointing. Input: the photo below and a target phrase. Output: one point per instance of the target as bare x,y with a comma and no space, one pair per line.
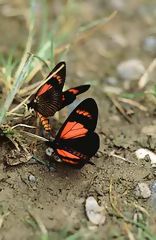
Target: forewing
55,79
47,100
70,95
81,121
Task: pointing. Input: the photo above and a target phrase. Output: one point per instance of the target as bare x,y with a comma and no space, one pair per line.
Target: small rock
153,197
130,69
99,154
142,190
153,187
94,212
119,5
32,178
142,153
150,44
111,80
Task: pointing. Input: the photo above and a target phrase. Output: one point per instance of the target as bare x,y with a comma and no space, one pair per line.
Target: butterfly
76,141
49,98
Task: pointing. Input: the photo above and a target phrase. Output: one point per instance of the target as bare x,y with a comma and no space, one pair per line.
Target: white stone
142,190
94,212
141,153
131,69
32,178
150,44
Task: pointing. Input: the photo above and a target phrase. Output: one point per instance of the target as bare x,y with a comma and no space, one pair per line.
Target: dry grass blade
129,233
2,217
28,89
133,103
16,85
119,107
112,200
119,157
22,125
146,76
89,29
135,223
28,44
14,114
141,209
34,71
40,224
35,136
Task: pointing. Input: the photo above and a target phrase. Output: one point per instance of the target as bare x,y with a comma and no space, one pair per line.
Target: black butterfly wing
47,100
70,95
57,76
77,152
76,141
48,103
82,119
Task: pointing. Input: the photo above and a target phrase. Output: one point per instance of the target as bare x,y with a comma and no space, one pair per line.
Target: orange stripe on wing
73,90
84,113
64,153
73,130
44,89
56,72
69,161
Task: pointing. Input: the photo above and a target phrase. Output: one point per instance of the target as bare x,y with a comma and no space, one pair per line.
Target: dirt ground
57,198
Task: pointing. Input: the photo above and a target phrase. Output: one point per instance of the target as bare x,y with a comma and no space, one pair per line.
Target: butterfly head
32,102
49,151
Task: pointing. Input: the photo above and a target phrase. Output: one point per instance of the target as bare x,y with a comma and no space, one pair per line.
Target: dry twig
133,103
119,107
145,78
119,157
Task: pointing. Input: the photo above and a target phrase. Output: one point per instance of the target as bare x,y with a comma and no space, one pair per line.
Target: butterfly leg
35,159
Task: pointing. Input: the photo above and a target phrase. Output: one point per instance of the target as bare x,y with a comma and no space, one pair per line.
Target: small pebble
111,80
150,44
94,212
142,153
119,5
153,197
130,69
99,154
153,187
142,190
32,178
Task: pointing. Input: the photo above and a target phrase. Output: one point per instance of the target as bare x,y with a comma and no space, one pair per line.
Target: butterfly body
44,122
76,141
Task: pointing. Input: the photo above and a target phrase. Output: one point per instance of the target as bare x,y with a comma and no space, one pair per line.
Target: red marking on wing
84,113
63,97
64,153
73,130
68,161
73,90
44,89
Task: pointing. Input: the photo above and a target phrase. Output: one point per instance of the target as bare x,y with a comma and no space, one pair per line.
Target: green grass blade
16,86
